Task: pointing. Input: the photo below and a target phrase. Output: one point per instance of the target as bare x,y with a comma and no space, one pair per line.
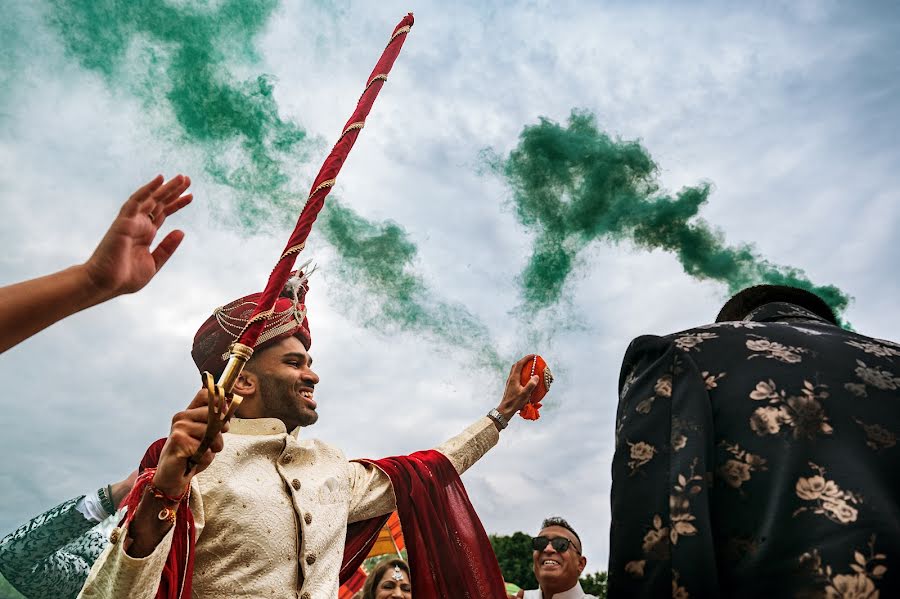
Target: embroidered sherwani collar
260,426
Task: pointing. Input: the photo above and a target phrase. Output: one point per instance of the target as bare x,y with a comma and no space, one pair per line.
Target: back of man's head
751,298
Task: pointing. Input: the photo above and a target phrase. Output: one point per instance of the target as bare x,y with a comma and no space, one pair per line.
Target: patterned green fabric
758,459
52,554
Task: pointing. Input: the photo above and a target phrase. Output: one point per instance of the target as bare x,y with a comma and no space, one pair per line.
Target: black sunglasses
560,544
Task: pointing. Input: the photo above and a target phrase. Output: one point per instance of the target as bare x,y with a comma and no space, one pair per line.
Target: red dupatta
449,552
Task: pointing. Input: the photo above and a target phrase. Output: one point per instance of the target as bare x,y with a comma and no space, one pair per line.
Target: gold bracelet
169,513
158,494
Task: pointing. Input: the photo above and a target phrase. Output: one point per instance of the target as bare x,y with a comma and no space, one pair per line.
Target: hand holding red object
537,367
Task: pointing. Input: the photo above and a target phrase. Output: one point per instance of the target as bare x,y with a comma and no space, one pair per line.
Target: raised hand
172,478
515,396
123,262
188,428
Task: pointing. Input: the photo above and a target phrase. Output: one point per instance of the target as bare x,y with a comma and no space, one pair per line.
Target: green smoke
573,185
178,59
390,296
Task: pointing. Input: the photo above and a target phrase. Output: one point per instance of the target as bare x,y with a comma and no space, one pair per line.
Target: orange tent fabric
390,542
390,539
352,586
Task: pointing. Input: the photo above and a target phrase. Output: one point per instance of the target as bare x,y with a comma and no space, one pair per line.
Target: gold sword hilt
223,403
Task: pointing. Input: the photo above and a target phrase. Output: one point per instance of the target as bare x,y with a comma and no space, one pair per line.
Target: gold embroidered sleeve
469,446
117,575
371,491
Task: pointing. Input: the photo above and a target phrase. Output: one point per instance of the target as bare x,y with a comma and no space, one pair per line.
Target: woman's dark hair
378,573
752,298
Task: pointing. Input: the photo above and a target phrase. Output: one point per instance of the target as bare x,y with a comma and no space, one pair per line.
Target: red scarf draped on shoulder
449,551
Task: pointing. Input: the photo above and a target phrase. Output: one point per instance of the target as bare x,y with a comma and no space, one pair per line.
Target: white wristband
91,507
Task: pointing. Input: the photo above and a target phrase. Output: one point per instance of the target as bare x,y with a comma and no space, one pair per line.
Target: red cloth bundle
537,367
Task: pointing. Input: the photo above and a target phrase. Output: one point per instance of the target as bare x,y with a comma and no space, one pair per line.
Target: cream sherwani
270,508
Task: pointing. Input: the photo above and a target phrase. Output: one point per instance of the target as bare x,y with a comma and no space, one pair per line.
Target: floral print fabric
758,459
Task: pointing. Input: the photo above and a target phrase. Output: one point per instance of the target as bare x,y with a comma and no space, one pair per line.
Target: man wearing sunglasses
558,563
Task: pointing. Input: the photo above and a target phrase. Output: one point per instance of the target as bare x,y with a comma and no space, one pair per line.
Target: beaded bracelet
170,511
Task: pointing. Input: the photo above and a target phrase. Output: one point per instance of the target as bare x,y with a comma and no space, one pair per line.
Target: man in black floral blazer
758,457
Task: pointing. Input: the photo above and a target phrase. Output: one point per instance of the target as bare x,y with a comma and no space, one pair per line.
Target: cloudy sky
790,109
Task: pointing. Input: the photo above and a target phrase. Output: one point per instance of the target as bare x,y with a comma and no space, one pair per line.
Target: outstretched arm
371,488
122,263
468,447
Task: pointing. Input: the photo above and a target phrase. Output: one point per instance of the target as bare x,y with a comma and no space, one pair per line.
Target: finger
530,385
166,248
130,207
170,187
218,443
204,461
171,190
199,415
194,428
201,399
177,204
158,216
521,363
518,366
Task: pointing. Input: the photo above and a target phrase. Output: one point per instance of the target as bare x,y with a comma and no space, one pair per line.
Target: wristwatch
498,418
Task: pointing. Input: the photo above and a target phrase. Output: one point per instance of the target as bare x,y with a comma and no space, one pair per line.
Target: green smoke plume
177,58
380,257
573,185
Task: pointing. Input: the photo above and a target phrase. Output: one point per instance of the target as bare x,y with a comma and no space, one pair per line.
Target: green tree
514,556
595,584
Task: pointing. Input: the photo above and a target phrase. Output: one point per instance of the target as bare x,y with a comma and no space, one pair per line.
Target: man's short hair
562,523
751,298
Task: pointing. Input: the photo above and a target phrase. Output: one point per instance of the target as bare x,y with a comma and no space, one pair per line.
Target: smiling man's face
558,572
286,383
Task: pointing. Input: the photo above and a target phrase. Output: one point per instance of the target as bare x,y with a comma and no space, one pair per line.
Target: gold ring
151,217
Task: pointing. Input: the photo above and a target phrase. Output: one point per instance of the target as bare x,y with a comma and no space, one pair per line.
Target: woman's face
394,584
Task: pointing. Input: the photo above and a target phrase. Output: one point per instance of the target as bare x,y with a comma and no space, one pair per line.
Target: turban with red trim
288,319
